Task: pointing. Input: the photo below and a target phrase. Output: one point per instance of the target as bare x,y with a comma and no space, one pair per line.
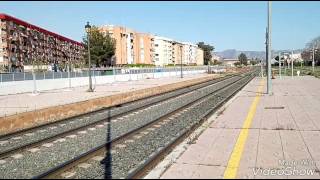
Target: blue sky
226,25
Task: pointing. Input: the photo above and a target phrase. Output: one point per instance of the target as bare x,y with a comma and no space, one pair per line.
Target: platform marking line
234,161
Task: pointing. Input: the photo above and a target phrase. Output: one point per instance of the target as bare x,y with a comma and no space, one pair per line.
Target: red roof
20,22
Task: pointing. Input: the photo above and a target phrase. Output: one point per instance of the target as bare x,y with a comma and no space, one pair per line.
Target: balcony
5,53
3,25
4,35
23,35
4,45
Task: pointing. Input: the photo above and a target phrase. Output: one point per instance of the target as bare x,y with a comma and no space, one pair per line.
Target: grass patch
304,71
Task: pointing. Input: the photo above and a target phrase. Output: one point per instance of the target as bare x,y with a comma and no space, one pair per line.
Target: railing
8,77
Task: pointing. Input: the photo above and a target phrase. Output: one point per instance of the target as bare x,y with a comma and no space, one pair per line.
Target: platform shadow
107,161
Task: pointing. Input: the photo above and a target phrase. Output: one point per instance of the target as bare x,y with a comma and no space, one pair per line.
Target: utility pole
269,85
69,67
181,61
266,50
313,58
292,64
34,92
208,66
280,65
285,64
261,64
88,29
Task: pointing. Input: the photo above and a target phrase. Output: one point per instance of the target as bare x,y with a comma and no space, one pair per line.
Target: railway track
122,119
33,137
129,154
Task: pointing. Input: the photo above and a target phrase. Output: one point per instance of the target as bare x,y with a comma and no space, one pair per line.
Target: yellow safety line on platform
234,161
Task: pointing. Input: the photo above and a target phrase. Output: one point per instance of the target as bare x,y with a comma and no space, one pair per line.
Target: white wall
200,57
164,51
129,51
50,84
190,53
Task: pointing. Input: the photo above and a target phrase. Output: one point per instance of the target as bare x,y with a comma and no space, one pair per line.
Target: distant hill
233,53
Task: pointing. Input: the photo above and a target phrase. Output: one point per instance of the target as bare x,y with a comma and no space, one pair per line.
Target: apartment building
177,52
22,43
189,53
200,57
168,51
125,38
124,43
131,47
142,48
163,51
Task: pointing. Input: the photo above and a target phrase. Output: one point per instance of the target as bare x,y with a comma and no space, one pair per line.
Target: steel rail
62,134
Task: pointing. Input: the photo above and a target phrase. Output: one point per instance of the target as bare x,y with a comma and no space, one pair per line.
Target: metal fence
42,76
8,77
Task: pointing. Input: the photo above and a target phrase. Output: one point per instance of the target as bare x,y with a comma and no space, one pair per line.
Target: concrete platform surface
260,136
22,111
18,103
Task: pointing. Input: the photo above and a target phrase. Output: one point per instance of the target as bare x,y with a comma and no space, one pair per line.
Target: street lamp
68,48
88,30
269,84
291,64
181,61
313,55
280,65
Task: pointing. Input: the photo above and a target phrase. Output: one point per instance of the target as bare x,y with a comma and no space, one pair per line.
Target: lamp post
113,70
261,66
69,67
181,61
291,64
285,63
269,84
88,30
34,92
280,65
313,58
266,64
209,64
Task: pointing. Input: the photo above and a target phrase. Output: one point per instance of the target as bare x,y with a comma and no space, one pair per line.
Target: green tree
313,43
102,47
253,62
216,62
243,59
307,54
207,51
237,63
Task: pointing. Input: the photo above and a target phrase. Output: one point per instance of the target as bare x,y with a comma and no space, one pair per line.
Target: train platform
20,111
18,103
256,136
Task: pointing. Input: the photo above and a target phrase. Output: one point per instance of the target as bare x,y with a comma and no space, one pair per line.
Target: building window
156,45
142,56
141,42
